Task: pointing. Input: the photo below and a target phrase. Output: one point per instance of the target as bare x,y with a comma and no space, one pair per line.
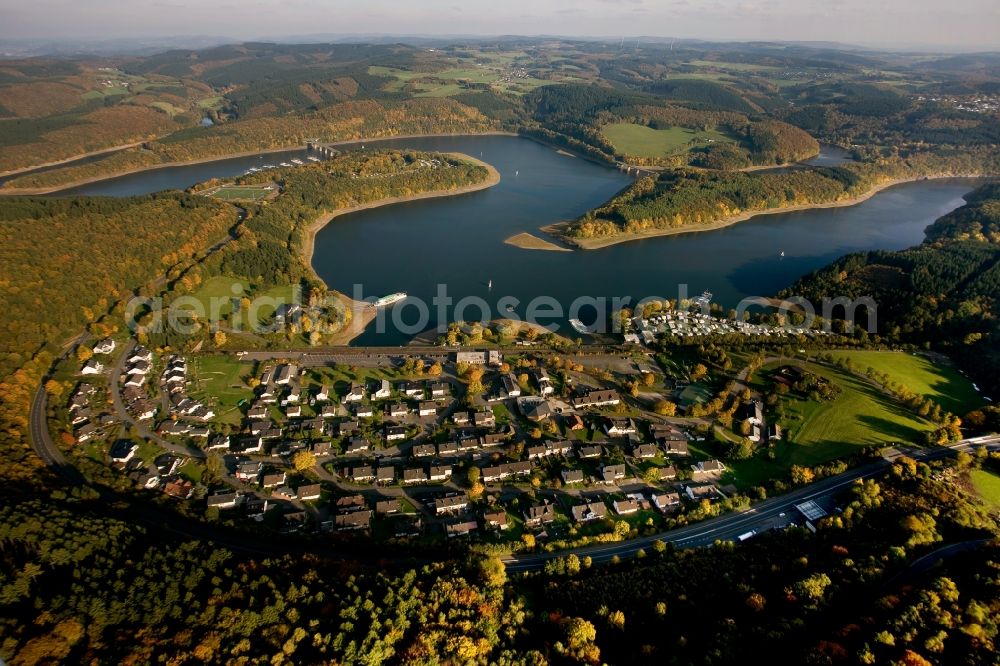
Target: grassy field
220,381
936,381
642,141
818,432
241,192
987,484
446,82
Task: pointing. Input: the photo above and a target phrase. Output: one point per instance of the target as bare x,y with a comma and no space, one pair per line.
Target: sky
958,23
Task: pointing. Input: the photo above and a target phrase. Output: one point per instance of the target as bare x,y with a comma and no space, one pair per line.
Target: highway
730,526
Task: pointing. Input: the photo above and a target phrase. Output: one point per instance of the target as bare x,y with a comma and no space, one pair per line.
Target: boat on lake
388,300
579,326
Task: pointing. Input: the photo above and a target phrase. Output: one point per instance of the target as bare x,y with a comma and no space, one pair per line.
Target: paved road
731,526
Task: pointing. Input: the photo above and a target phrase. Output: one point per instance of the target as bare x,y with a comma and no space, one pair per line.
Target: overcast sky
970,23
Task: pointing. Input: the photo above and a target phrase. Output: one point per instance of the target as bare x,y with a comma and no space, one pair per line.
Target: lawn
642,141
987,484
937,381
219,381
241,192
818,432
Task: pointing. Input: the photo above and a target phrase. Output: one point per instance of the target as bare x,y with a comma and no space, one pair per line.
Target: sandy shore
28,191
362,313
598,243
527,241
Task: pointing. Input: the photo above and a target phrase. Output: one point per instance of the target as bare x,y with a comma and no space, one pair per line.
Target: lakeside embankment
362,314
56,189
559,230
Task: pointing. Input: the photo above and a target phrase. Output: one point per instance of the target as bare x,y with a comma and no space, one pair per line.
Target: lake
458,241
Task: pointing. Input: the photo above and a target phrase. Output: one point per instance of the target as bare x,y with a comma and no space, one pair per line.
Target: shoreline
529,241
56,189
599,243
361,313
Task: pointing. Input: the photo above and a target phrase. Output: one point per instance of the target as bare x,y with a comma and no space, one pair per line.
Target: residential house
122,451
460,528
536,411
625,507
696,492
510,386
540,514
363,474
358,445
597,398
570,476
668,501
438,389
612,473
505,471
483,418
428,409
414,475
543,381
293,411
249,472
422,450
573,422
140,353
355,520
460,417
309,492
645,451
356,393
395,433
273,480
105,346
385,475
397,410
440,472
323,394
450,504
286,373
364,411
382,390
619,427
447,448
388,507
412,389
92,367
595,510
496,520
773,432
223,501
590,452
707,470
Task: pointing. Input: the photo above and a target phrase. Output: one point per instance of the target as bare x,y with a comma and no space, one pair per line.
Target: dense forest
944,293
679,198
114,591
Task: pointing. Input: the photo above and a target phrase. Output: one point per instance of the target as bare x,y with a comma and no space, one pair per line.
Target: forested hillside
678,199
944,293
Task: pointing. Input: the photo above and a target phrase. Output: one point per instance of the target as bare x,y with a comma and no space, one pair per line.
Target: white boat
490,285
285,164
782,253
297,161
313,159
389,300
579,326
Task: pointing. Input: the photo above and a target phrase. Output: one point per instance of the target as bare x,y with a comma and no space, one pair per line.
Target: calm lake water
458,241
